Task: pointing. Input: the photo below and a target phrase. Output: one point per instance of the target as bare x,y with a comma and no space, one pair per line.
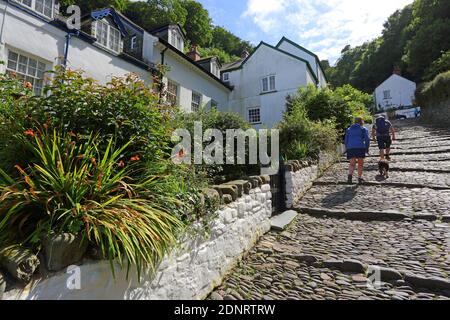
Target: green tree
198,23
89,5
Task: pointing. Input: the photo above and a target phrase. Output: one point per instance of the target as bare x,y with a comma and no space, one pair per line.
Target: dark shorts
384,142
356,153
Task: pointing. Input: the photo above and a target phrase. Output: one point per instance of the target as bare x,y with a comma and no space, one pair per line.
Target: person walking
382,131
357,144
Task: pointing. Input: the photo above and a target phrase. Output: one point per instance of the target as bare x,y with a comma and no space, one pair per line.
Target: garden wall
300,176
191,271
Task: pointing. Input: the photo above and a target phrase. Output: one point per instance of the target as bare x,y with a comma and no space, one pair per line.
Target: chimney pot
244,54
397,70
193,53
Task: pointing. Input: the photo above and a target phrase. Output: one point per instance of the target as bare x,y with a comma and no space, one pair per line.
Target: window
214,104
254,115
133,42
172,93
27,69
226,76
268,84
108,36
387,94
196,101
44,7
176,40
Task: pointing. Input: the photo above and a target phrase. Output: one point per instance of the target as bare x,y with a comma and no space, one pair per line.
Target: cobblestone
322,257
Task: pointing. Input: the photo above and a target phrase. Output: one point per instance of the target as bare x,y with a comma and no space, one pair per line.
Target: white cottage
34,38
395,92
263,80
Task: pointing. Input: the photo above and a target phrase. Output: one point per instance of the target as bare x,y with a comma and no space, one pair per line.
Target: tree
155,13
228,42
198,23
89,5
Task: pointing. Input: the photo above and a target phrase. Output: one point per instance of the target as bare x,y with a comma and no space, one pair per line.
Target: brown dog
383,167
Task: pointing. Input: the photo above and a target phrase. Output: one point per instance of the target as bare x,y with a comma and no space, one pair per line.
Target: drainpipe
66,48
162,63
3,23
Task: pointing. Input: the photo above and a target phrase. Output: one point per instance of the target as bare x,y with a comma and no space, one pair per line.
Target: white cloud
323,25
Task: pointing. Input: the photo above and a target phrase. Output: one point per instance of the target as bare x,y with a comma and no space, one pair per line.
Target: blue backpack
383,127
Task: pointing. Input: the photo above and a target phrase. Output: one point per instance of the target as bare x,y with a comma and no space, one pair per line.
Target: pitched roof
165,26
192,62
239,64
304,50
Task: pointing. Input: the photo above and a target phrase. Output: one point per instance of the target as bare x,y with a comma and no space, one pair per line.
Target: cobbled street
398,227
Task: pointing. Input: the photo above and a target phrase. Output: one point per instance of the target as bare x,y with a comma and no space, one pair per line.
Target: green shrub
434,92
74,187
124,109
301,137
222,121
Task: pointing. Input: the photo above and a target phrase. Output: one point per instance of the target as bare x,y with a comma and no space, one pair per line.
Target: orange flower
30,133
13,75
94,161
121,164
181,154
135,158
28,85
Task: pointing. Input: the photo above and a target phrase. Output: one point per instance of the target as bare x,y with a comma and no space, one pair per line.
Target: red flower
181,154
30,133
135,158
28,85
121,164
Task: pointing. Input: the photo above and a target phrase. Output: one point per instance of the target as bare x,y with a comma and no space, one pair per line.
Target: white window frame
387,94
195,106
175,39
33,7
109,35
226,76
271,83
33,74
252,117
171,95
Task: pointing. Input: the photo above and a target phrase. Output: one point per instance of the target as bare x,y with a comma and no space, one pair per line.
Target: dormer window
176,40
43,7
107,36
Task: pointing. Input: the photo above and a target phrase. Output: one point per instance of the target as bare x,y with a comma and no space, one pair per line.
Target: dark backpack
383,127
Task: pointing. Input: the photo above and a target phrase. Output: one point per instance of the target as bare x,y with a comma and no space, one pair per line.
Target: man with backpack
357,143
383,130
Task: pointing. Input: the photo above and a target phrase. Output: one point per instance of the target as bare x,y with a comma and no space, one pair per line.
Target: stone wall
191,271
300,176
438,114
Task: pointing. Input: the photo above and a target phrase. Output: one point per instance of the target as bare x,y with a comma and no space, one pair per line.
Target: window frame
250,115
269,83
195,107
109,31
228,76
40,69
214,104
32,6
170,95
387,95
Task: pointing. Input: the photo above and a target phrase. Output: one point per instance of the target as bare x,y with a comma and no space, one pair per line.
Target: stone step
282,221
385,183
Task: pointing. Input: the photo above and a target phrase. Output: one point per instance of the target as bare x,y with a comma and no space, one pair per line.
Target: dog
383,166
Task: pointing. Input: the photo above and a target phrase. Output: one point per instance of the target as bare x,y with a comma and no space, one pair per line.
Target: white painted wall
290,75
402,92
190,78
189,274
296,51
33,37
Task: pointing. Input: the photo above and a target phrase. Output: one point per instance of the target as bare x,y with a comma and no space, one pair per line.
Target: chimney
397,70
244,54
193,53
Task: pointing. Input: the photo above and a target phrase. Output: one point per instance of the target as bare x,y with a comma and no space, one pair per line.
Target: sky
322,26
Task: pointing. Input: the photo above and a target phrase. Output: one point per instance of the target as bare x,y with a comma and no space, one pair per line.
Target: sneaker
361,180
350,179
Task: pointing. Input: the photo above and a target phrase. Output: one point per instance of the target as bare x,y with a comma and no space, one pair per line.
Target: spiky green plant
70,187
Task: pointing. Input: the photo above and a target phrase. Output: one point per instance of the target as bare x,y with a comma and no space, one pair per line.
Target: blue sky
322,26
